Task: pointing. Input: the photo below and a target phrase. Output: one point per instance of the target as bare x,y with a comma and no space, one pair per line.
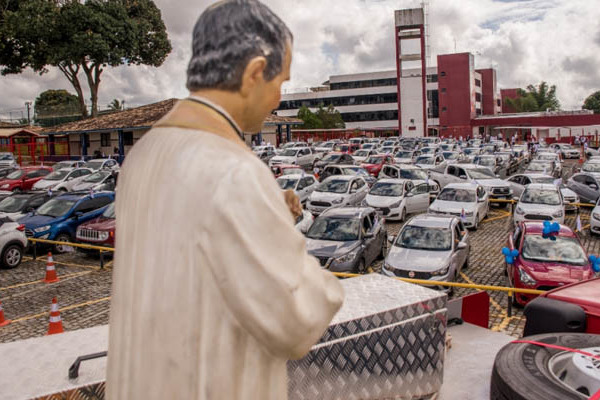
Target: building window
477,96
444,109
478,111
477,83
443,73
432,78
128,138
498,103
105,139
443,90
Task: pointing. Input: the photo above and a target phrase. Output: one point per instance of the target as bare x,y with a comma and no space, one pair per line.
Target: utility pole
28,105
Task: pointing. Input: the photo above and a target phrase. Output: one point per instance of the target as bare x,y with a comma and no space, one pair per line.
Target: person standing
213,289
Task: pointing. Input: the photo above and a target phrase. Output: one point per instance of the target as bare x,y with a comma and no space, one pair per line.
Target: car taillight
21,228
111,234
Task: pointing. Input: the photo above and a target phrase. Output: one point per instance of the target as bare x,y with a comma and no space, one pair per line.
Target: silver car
430,247
12,243
337,191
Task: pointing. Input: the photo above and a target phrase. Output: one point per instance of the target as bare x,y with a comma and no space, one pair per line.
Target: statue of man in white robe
213,288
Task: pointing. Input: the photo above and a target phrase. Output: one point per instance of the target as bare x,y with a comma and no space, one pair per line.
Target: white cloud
527,41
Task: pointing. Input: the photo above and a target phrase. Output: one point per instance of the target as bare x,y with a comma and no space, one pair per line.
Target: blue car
58,218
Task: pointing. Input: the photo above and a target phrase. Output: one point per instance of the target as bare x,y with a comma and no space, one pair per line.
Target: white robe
213,289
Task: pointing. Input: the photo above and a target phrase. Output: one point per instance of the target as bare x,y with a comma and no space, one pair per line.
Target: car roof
432,221
342,177
347,212
292,176
462,185
534,227
542,186
393,180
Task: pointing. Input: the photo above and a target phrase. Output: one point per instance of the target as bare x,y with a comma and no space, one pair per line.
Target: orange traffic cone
55,321
51,276
3,322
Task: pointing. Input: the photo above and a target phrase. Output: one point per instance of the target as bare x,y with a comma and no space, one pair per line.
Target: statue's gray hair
227,36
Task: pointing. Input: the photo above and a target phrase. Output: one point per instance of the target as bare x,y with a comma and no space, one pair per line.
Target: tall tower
412,86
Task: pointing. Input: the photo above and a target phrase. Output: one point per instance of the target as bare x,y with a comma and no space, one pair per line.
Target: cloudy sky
527,41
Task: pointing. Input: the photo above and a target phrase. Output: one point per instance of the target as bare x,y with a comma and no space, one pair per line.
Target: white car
592,167
302,185
260,149
429,161
62,179
467,201
540,202
303,157
102,163
395,198
325,147
305,221
544,167
68,164
518,183
13,243
337,191
7,160
406,156
361,155
565,150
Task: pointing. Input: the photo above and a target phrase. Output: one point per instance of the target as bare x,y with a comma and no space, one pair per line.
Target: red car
23,179
545,263
375,163
99,231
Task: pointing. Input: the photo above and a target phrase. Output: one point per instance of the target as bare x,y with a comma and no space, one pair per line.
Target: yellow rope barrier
82,246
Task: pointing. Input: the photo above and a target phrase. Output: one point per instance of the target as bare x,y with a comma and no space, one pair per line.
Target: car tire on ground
403,215
12,256
16,190
59,248
384,245
523,371
476,222
361,267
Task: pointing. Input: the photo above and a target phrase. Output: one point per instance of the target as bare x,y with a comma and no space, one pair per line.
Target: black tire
466,264
476,222
17,190
521,371
12,256
403,215
63,237
361,268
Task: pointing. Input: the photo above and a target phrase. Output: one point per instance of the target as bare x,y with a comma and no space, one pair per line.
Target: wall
489,90
457,106
411,93
510,94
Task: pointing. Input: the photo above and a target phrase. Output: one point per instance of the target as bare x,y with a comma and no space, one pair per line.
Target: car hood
566,192
538,208
403,160
283,159
100,224
544,271
34,221
417,260
492,182
359,159
44,184
328,248
382,201
426,166
326,196
83,186
321,164
451,206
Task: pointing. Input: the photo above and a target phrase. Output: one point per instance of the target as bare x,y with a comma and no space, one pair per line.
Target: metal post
101,260
510,301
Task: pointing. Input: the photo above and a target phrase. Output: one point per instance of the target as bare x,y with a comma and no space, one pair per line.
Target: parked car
592,167
98,181
586,186
453,157
430,150
374,163
520,181
333,158
493,162
540,202
341,169
594,219
303,185
265,148
283,169
395,198
361,155
565,150
23,179
337,191
410,172
99,231
59,217
346,148
7,160
545,263
467,201
543,167
7,170
266,155
102,163
303,157
406,156
63,179
304,221
13,243
347,239
326,147
17,205
471,152
433,247
449,147
68,164
430,162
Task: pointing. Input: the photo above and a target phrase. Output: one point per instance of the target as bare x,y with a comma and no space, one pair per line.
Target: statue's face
267,95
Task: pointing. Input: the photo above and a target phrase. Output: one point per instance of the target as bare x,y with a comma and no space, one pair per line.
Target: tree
593,102
311,121
540,98
56,103
80,37
116,105
324,118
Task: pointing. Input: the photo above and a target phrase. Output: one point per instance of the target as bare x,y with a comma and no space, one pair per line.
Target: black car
347,239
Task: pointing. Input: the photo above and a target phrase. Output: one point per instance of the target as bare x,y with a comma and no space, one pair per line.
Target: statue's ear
253,75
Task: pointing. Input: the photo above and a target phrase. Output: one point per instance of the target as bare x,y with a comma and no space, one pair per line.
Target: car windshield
480,173
487,161
289,153
460,195
331,157
94,165
427,150
57,175
61,165
96,177
16,175
287,183
354,171
450,155
471,151
373,160
110,211
13,204
413,174
387,189
547,157
327,145
539,167
591,167
343,148
540,196
404,154
336,229
333,186
564,250
55,207
425,238
446,146
4,157
424,160
361,153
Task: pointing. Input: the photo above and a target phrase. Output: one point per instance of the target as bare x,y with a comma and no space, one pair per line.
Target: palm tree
540,98
116,105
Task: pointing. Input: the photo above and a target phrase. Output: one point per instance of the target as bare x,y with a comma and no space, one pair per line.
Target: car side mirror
461,246
352,191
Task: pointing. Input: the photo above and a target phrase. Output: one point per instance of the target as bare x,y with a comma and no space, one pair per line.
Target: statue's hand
293,203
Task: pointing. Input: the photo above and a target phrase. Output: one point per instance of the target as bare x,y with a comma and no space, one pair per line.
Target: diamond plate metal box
386,342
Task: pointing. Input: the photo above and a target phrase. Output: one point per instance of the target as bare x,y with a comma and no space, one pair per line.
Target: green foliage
79,37
57,103
116,105
324,118
540,98
593,102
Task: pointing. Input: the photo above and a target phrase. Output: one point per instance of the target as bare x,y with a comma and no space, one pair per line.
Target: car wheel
384,245
361,268
62,248
12,256
528,371
466,264
403,215
17,190
476,222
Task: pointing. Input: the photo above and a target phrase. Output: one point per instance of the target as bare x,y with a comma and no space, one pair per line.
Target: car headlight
337,201
525,278
558,214
596,216
442,271
469,214
5,186
42,228
396,204
103,235
519,211
348,257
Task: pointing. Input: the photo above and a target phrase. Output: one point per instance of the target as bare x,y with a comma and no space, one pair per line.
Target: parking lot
84,289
